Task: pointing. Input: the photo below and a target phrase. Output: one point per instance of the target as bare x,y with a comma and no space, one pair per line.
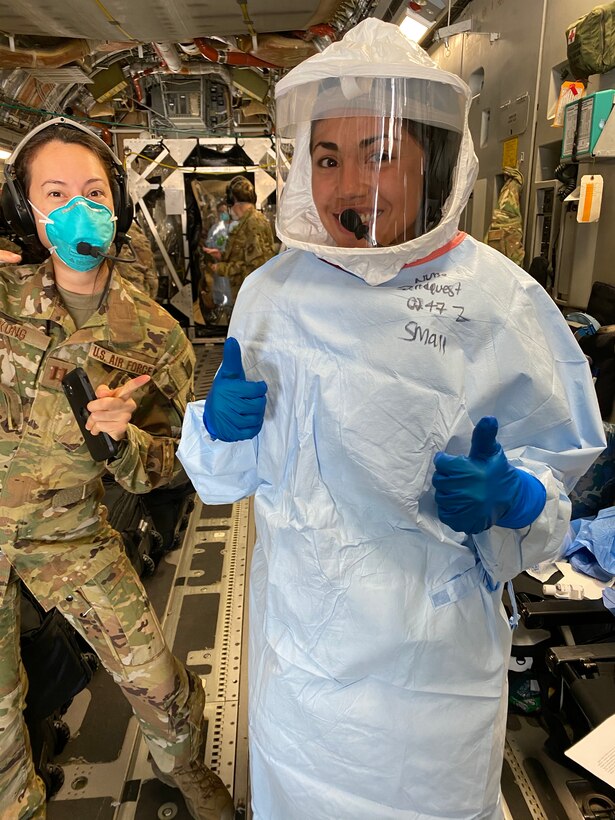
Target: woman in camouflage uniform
55,535
250,241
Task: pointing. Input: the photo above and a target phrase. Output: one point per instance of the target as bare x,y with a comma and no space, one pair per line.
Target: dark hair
240,189
441,149
67,135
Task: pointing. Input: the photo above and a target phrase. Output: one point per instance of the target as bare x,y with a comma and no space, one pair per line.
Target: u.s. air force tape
120,362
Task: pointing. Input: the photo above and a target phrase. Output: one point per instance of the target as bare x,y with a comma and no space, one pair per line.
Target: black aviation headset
18,211
231,197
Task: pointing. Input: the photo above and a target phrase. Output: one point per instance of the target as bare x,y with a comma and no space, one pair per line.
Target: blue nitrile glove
234,407
477,491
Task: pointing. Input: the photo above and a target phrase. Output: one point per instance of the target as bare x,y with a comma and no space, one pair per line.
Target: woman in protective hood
389,347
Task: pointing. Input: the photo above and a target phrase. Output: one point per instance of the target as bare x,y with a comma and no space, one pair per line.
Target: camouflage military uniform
53,532
142,273
505,232
7,245
249,245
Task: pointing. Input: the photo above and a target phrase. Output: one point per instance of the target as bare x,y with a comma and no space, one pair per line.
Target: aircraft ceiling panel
153,20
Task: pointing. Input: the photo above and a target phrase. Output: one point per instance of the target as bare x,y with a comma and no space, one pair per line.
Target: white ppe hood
373,50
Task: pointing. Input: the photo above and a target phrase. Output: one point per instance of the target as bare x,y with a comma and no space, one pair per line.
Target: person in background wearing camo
250,241
142,272
67,188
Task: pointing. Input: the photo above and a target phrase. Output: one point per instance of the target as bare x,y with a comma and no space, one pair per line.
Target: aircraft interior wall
183,138
515,61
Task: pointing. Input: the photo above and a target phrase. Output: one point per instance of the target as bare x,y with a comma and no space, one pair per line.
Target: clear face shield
366,162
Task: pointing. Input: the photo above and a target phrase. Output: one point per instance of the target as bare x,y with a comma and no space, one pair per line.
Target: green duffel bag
591,42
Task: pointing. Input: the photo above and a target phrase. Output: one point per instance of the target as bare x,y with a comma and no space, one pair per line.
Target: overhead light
414,26
5,153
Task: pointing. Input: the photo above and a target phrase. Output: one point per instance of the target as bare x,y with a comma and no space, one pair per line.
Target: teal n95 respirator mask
83,224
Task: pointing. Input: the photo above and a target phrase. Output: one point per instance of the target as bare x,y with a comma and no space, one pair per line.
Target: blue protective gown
378,642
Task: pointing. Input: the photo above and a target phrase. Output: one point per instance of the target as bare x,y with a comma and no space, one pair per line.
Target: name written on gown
431,296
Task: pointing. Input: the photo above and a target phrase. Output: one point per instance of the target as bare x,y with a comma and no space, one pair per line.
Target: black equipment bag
170,507
129,516
542,272
54,660
601,303
600,347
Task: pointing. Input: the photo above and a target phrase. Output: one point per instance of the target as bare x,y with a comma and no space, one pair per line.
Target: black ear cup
122,203
16,209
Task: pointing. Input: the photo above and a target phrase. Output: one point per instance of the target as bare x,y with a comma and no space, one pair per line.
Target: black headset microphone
351,220
85,249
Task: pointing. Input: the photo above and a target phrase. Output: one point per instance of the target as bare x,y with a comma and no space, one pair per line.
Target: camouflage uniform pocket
67,433
116,617
11,412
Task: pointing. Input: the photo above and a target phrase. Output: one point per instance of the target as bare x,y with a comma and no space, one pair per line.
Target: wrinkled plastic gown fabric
377,646
592,550
378,642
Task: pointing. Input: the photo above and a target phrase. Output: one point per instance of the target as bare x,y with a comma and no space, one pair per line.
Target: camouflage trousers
114,615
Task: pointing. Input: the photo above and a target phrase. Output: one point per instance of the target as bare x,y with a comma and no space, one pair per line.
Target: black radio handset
351,220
